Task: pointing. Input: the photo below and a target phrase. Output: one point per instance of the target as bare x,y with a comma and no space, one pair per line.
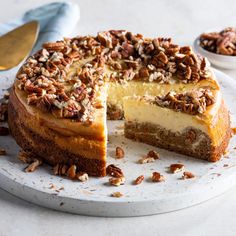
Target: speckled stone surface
183,20
93,197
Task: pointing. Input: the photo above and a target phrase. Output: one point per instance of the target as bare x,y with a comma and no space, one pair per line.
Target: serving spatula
16,45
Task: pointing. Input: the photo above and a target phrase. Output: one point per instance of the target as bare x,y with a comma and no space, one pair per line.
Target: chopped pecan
223,42
117,181
175,168
105,39
127,50
82,176
157,177
33,166
51,46
188,175
114,171
116,194
186,50
139,180
143,72
194,102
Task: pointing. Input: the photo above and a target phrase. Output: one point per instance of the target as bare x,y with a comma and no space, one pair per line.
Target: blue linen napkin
56,20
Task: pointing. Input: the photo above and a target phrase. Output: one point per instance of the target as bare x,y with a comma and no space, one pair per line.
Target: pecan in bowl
222,42
218,46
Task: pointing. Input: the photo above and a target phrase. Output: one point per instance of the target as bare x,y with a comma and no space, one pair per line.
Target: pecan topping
114,171
47,79
119,153
116,194
4,131
175,168
143,72
223,42
194,102
188,175
51,46
139,180
157,177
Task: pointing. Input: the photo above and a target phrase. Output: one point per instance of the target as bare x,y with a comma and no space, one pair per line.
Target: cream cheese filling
117,91
145,112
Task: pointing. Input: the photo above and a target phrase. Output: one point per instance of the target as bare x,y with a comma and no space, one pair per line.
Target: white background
181,19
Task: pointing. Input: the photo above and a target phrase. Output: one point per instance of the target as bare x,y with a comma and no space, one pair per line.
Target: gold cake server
16,45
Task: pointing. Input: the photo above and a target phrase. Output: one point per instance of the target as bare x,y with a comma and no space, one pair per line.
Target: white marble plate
93,197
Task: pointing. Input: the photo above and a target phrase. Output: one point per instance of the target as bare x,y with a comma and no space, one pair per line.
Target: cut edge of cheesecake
204,136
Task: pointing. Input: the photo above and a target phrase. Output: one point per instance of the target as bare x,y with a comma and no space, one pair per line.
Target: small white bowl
222,61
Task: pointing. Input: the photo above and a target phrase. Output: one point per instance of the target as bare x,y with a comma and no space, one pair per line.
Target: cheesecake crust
192,142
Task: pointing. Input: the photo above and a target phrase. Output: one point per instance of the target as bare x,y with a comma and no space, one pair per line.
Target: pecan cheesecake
64,93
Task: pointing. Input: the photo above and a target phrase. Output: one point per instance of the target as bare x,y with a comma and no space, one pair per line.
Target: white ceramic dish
221,61
93,197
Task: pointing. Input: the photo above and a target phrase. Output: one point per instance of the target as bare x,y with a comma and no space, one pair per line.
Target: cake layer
190,141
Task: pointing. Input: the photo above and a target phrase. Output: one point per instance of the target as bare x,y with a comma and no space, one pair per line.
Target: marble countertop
183,20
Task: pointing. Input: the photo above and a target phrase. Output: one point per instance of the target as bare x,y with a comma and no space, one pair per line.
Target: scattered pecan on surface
175,168
157,177
117,194
117,181
223,42
188,175
139,180
114,171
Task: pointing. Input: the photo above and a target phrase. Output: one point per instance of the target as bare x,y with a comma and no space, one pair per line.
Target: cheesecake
65,92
